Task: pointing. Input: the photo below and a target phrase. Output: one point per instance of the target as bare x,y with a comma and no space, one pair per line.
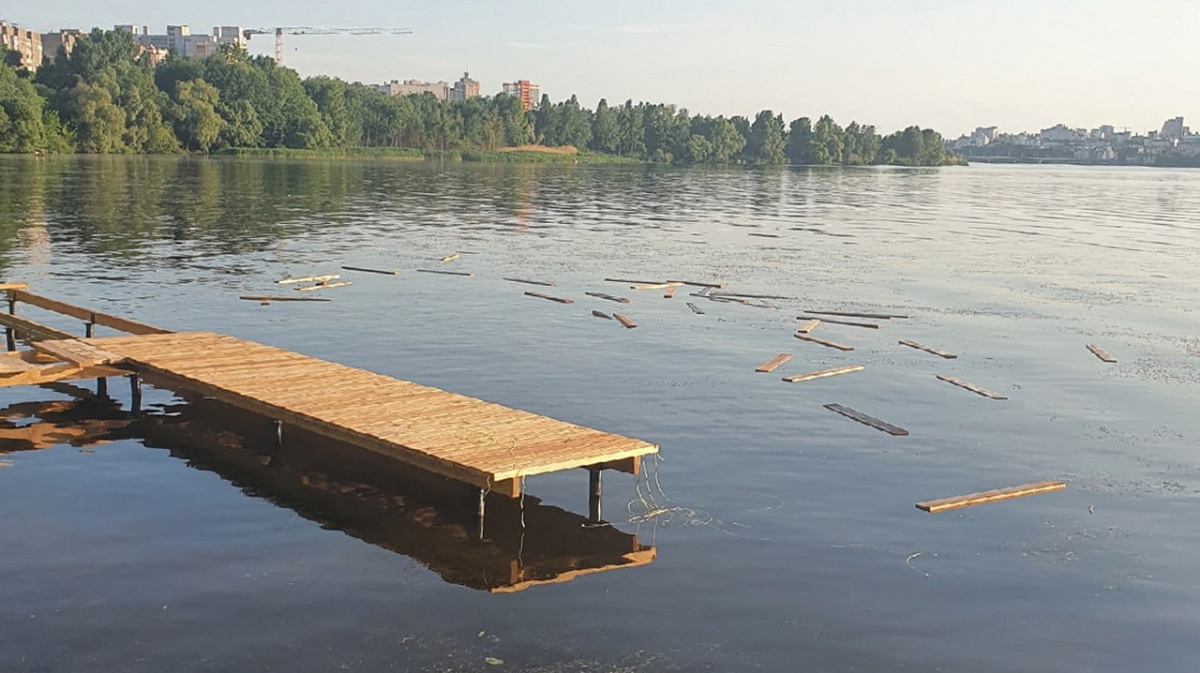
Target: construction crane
280,31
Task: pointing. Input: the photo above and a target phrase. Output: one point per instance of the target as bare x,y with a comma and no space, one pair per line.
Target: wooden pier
485,445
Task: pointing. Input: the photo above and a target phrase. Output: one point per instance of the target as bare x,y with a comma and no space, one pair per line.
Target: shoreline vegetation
106,98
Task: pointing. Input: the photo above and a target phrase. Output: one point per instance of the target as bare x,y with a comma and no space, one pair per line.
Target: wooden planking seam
774,363
994,495
971,387
848,369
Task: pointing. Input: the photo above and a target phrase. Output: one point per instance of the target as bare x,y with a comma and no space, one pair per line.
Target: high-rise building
523,90
63,40
1173,128
440,90
465,88
25,42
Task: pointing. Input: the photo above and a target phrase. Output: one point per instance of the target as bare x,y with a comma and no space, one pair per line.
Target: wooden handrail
103,319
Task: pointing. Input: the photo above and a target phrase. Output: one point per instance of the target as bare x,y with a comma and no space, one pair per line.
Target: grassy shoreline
406,154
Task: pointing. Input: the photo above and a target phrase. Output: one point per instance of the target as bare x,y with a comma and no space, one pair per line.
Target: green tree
99,123
197,124
766,142
23,116
605,134
799,150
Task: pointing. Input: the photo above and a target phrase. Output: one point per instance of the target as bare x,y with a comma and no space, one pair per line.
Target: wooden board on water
994,495
539,295
322,286
774,363
447,273
741,295
609,297
828,344
602,314
450,258
669,293
364,269
867,420
308,279
971,387
853,314
848,369
851,323
1101,353
635,282
808,326
711,286
268,298
530,282
625,321
695,309
927,349
654,286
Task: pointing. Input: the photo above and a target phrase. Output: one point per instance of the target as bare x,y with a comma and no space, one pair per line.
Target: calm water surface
787,538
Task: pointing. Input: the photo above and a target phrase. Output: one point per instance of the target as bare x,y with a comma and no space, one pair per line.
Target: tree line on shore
105,98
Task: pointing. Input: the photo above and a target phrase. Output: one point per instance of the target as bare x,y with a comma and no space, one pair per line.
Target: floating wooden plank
447,273
539,295
609,297
654,286
829,344
87,315
724,300
711,286
366,270
322,286
971,387
602,314
308,279
825,373
741,295
994,495
669,293
695,309
808,326
852,314
851,323
867,420
450,258
774,363
1101,353
635,282
530,282
625,321
927,349
268,298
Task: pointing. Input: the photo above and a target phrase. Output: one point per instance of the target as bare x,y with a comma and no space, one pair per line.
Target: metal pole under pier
594,492
135,393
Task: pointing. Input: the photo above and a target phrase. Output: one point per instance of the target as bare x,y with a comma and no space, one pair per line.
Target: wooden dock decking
483,444
479,443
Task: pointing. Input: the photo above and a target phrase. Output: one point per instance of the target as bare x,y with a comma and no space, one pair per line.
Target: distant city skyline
950,65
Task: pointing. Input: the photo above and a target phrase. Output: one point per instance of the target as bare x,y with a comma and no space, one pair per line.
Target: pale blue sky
949,64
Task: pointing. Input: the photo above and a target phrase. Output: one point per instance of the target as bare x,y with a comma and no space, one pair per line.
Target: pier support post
10,333
594,492
102,387
482,509
89,330
278,432
135,393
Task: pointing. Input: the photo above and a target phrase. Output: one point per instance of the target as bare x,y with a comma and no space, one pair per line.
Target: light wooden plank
669,293
742,295
308,279
851,323
323,286
102,319
774,363
364,269
994,495
927,349
855,314
635,282
269,298
825,373
625,321
1101,353
654,286
539,295
11,363
870,421
76,352
33,330
971,387
450,258
808,326
710,286
827,344
13,286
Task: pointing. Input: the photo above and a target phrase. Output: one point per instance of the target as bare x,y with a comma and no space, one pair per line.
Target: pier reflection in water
423,516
